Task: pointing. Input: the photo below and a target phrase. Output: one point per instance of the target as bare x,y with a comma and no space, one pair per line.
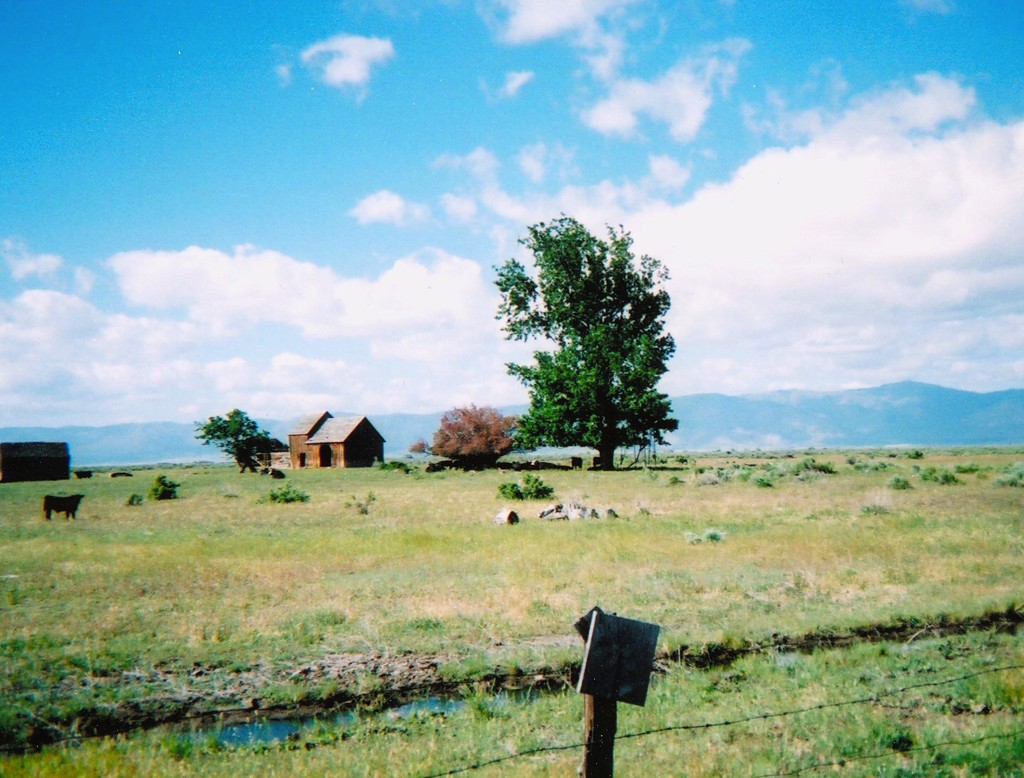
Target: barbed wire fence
708,725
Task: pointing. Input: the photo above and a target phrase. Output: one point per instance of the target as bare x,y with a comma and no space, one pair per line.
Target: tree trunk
607,453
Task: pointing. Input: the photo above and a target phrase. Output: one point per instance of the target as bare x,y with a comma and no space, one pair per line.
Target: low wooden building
320,440
274,454
34,462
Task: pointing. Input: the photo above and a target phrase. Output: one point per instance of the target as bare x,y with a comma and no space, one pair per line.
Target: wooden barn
320,440
34,462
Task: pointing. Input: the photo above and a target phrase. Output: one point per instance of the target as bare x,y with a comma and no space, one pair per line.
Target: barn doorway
325,455
302,460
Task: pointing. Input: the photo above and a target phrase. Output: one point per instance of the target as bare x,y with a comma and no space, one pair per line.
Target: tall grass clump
362,506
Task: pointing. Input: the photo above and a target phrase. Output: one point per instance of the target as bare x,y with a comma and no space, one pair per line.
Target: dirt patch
337,682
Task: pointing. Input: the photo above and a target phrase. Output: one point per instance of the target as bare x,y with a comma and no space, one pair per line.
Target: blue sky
285,207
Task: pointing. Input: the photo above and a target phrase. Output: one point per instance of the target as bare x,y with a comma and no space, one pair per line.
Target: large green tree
236,435
602,312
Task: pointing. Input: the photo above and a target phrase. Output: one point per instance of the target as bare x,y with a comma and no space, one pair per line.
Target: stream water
266,730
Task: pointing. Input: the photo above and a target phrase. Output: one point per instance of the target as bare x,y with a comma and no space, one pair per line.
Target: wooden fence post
599,723
616,667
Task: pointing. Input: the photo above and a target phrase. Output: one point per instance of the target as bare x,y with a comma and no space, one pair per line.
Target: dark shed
34,462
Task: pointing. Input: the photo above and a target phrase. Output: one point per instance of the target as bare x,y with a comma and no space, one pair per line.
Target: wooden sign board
618,657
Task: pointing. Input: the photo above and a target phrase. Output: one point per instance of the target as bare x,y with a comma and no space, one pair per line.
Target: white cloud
680,98
893,112
530,21
532,162
459,207
538,159
388,207
515,81
887,217
667,173
22,263
226,293
345,61
881,247
596,27
205,331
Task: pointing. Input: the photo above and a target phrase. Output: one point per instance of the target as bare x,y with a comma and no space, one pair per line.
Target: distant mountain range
907,414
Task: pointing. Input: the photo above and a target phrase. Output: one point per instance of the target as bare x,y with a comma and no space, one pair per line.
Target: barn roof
337,430
307,424
12,450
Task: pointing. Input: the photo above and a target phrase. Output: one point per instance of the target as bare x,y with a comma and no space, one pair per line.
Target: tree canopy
474,436
602,312
236,435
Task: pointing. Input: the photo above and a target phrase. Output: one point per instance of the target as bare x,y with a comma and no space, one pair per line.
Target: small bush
510,491
164,489
288,493
536,489
898,482
915,454
709,536
1013,475
394,466
940,476
134,500
969,467
764,481
811,465
531,488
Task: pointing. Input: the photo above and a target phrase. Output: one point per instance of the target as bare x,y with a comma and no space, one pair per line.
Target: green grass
926,707
223,577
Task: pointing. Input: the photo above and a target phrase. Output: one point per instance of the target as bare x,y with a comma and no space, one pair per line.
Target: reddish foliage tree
473,436
418,447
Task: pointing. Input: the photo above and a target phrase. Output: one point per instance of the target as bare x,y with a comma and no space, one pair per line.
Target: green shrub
764,481
510,491
1013,475
134,500
164,489
810,464
535,489
898,482
394,466
288,493
915,454
969,467
939,475
531,488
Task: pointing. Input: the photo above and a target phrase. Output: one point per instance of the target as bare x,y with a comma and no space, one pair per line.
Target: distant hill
908,413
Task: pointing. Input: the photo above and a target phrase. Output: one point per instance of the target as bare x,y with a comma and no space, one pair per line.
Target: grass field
175,600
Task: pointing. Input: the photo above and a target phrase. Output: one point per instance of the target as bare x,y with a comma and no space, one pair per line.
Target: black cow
576,463
66,505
